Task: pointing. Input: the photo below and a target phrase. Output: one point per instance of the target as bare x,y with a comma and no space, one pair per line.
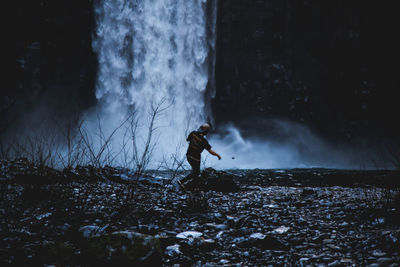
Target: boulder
211,179
262,241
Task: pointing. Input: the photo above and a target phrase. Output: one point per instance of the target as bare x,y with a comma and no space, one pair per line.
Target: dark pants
195,163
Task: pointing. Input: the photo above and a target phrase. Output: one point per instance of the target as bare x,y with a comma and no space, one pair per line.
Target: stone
210,179
257,236
281,229
189,234
123,248
264,242
384,261
91,230
173,250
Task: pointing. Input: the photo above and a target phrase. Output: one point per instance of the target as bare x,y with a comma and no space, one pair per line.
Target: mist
294,147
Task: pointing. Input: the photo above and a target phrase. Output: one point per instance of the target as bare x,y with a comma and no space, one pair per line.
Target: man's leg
195,164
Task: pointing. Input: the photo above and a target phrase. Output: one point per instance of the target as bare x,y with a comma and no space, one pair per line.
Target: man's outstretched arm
212,152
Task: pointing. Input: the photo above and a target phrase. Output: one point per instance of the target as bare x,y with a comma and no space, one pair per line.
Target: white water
150,52
163,50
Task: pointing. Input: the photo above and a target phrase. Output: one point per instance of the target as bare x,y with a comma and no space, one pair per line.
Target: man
197,143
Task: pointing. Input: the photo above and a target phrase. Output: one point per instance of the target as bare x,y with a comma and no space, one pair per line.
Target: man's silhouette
197,143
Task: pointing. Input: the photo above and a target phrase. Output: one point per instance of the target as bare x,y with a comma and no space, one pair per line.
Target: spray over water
150,53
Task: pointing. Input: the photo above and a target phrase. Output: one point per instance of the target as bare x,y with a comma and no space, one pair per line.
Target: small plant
394,155
387,156
38,147
79,142
99,151
175,163
5,150
73,150
142,159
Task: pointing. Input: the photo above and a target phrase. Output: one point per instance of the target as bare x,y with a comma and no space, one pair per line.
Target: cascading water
163,51
152,52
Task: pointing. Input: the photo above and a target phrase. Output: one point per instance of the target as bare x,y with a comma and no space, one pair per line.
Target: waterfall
152,51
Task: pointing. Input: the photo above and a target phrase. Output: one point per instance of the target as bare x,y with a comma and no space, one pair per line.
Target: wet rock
303,261
197,201
123,248
173,250
88,231
220,235
250,226
57,252
258,236
346,261
211,179
208,242
281,229
262,241
224,261
308,194
21,170
189,234
376,253
211,227
384,261
335,263
390,240
333,247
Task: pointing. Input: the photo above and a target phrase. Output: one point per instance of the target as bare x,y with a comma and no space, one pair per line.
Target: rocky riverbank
295,217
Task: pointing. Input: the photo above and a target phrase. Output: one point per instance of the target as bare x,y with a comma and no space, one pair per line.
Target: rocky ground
293,217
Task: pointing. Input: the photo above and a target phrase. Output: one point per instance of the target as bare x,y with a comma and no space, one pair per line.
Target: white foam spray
297,147
151,52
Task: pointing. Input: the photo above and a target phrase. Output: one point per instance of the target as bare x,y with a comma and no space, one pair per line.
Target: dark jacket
197,144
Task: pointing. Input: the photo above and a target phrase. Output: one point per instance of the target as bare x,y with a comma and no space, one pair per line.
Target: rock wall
55,64
328,64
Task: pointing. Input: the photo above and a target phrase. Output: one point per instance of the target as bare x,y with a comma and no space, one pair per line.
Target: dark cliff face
332,65
55,64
